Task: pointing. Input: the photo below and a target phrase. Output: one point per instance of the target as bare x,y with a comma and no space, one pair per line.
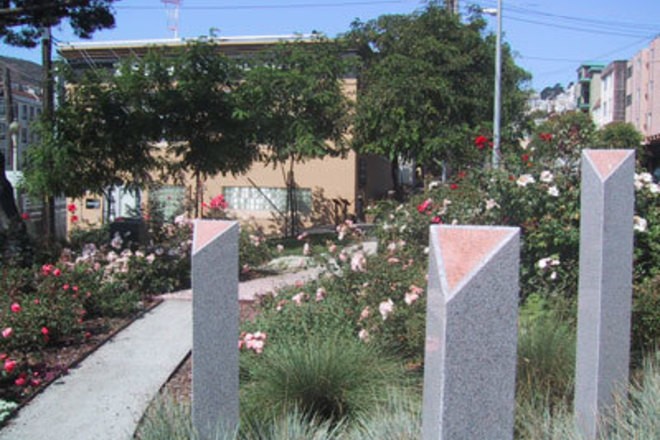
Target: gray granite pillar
471,333
215,326
605,283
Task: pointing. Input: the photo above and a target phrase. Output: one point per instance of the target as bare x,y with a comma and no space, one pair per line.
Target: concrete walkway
106,395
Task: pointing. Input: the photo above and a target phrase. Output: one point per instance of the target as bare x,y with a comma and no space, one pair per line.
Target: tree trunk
198,194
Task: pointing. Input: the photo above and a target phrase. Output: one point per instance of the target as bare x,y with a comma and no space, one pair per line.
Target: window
31,113
3,131
24,112
248,198
629,71
24,135
628,99
170,200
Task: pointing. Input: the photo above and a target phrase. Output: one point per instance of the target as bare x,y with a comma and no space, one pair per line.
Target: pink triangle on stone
206,231
464,248
607,161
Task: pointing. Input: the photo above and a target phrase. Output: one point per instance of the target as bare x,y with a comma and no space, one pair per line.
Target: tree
22,21
198,109
622,135
426,82
101,135
293,100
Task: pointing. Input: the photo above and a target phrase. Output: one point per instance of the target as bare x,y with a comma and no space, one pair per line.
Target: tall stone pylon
605,283
215,327
471,333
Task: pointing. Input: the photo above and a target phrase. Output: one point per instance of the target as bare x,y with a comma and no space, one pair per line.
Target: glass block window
171,200
248,198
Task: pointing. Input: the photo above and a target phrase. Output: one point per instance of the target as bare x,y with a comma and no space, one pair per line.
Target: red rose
453,186
480,142
9,365
71,208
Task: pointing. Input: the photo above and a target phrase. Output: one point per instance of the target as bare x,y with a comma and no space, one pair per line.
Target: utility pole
452,6
498,89
47,109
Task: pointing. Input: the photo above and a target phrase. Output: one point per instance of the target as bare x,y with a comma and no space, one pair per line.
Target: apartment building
610,106
589,86
643,99
26,97
328,189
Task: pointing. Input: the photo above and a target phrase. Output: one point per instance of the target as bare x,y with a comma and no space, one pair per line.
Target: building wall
612,95
643,90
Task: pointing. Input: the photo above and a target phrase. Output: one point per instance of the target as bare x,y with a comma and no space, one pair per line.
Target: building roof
111,51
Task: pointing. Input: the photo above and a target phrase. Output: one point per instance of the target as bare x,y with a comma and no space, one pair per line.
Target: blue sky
551,38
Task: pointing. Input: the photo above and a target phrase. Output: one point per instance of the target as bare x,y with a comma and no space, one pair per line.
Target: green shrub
328,377
633,419
546,354
646,316
400,418
253,249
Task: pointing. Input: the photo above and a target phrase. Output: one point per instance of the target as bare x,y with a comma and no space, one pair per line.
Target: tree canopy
101,135
21,21
291,96
426,82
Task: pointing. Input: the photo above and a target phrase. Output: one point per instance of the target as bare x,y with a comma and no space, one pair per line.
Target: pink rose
9,365
16,307
6,333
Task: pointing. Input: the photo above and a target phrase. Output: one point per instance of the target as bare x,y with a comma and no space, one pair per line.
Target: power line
264,6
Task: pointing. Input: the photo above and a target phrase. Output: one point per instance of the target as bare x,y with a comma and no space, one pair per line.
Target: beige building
328,190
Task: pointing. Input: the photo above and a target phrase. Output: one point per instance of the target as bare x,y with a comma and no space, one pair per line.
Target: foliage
636,418
622,135
546,355
54,300
253,249
202,142
424,80
325,376
292,97
102,135
22,21
646,316
292,100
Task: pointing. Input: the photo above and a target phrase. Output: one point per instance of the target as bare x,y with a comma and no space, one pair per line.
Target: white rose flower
385,308
525,180
546,177
639,224
553,191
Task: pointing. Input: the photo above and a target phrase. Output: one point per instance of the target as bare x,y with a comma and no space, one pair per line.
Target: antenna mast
172,11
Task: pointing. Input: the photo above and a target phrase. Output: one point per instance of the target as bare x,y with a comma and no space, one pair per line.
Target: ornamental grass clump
327,377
